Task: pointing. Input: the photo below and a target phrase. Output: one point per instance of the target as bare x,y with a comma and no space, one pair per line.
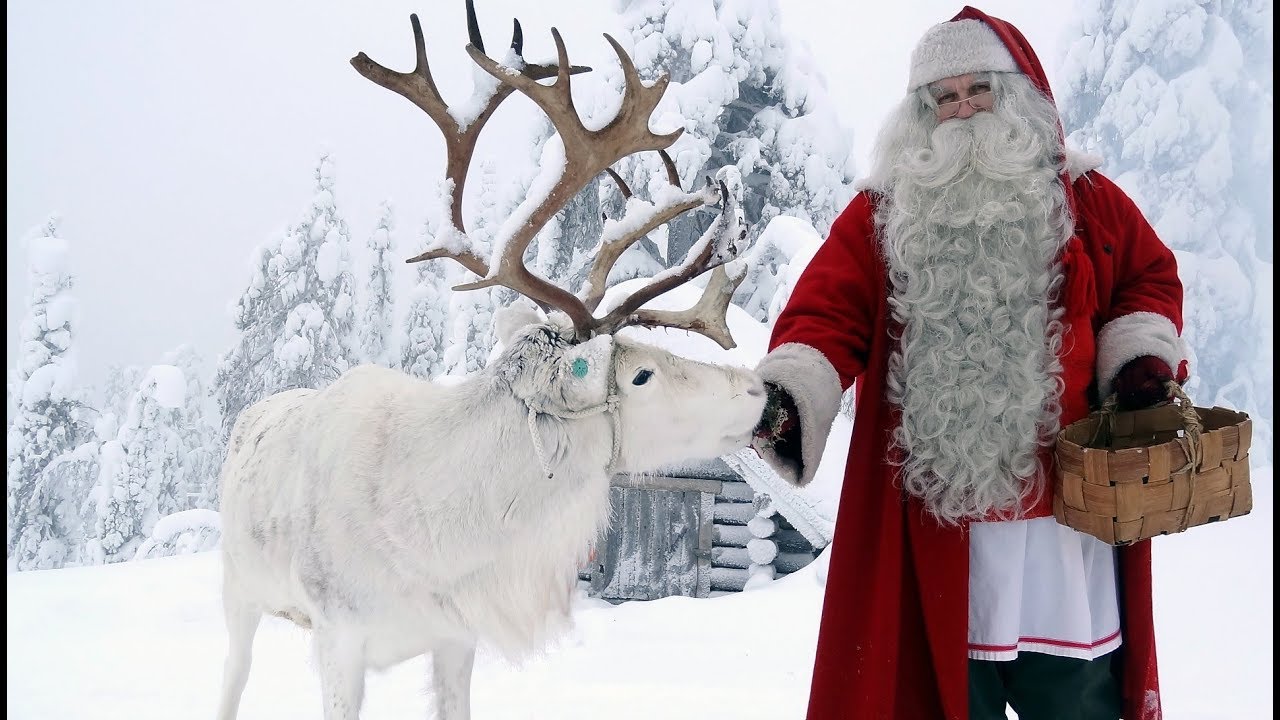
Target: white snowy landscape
145,640
207,205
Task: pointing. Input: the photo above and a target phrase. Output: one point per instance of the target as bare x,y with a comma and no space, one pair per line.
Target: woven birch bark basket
1123,477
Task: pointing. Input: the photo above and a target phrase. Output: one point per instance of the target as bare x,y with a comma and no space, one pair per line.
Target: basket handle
1191,426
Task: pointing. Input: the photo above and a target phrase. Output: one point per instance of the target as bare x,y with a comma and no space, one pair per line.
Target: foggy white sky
174,137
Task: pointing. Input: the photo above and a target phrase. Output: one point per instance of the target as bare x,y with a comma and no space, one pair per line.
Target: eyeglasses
981,101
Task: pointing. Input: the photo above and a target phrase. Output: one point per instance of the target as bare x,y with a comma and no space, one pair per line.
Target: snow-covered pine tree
561,252
426,322
118,389
376,328
296,318
1176,97
47,466
196,422
150,483
747,95
100,517
468,334
570,234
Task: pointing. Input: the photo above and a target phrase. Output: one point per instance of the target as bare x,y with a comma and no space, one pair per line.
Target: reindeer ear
508,320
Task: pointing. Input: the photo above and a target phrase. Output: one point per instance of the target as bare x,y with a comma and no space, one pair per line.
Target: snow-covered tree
746,95
426,323
561,252
102,518
46,465
447,332
151,482
375,331
182,533
196,422
470,337
296,318
469,333
1176,97
118,388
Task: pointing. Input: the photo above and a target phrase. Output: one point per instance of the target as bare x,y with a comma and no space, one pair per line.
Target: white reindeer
396,517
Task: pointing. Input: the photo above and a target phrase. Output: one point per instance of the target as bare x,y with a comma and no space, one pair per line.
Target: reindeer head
670,408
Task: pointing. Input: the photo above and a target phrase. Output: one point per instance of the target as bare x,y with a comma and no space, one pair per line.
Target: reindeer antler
587,153
419,87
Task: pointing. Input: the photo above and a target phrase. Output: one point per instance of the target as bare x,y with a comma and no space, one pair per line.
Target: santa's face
962,96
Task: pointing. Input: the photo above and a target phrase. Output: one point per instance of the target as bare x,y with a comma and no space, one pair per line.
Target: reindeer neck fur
465,452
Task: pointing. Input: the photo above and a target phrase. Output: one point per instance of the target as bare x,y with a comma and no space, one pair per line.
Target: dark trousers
1044,687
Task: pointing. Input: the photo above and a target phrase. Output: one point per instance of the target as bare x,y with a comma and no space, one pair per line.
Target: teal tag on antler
580,368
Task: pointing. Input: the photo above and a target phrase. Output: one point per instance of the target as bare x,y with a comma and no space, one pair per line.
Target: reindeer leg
451,679
340,657
242,623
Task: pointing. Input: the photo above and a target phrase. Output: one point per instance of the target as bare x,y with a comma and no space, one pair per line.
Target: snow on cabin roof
791,502
787,499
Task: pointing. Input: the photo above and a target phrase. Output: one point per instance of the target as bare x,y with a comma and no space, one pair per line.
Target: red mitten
1140,383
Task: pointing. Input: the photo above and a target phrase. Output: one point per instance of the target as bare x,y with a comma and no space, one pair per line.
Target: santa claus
984,289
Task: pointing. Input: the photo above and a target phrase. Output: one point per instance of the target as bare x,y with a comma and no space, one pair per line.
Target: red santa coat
893,638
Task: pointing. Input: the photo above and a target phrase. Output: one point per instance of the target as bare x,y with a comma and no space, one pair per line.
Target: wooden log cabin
703,530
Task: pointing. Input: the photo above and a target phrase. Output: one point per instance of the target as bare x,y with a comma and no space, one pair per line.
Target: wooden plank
729,579
785,562
730,557
734,513
791,562
736,492
739,536
714,469
706,537
663,482
793,541
651,549
730,535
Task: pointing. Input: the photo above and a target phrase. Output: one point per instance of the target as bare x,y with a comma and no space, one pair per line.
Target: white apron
1038,586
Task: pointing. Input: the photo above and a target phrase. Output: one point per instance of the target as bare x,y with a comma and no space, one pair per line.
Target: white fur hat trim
958,48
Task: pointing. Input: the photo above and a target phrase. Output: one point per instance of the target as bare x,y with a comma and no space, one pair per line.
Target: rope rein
610,405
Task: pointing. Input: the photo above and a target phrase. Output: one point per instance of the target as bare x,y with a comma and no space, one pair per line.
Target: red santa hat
958,47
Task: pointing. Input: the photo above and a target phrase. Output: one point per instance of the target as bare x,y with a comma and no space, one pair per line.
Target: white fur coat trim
812,382
1132,336
956,48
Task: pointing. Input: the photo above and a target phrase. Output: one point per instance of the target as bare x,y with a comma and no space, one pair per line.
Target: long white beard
972,231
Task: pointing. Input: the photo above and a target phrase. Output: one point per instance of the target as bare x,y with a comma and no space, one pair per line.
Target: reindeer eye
642,377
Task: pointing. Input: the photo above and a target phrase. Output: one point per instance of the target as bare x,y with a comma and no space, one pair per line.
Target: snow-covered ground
144,640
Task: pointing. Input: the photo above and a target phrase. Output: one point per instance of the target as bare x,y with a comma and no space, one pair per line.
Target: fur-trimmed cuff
1132,336
811,381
